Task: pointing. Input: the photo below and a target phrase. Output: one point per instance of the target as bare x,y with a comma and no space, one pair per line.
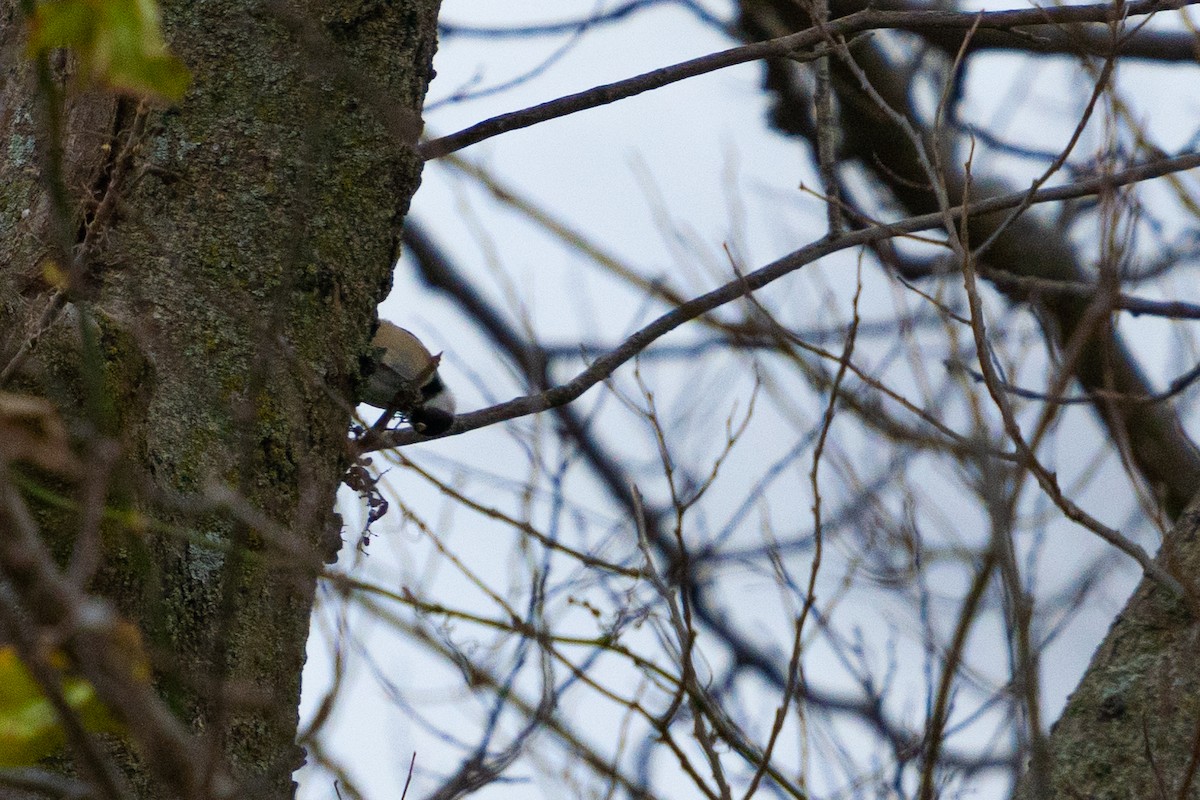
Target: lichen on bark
231,252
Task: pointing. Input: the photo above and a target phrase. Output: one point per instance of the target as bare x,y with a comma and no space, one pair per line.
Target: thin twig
604,366
783,46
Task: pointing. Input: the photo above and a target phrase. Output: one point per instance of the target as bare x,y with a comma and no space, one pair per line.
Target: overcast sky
666,181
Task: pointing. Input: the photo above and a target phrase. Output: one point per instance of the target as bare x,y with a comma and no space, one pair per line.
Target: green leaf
29,728
119,44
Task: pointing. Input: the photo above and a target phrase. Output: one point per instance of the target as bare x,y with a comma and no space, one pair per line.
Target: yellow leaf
29,728
119,44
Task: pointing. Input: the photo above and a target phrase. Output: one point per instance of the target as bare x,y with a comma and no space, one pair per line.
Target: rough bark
201,282
1132,727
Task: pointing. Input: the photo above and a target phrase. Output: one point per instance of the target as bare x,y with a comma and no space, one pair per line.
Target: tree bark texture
1132,727
199,284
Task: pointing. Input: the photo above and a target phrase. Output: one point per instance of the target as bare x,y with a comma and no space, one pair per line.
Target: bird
406,380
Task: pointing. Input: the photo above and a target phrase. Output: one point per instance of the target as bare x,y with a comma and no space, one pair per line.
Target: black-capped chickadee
406,380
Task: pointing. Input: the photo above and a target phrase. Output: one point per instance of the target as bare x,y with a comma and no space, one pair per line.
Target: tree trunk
199,285
1132,727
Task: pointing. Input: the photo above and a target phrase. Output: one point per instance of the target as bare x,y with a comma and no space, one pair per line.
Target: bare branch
789,45
604,366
